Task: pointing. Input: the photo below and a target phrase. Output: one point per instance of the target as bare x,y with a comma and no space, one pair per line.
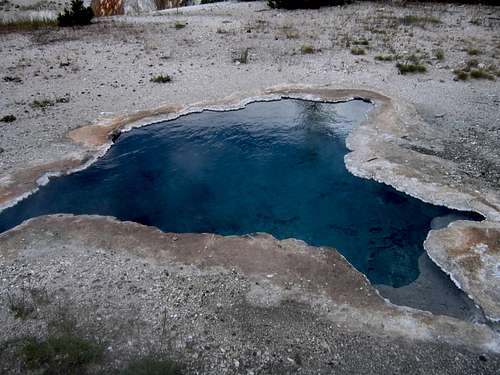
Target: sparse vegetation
473,51
41,103
27,24
242,57
304,4
152,365
160,78
179,25
58,355
76,15
306,49
439,54
12,79
473,69
361,42
20,304
472,63
8,118
406,68
290,32
461,75
411,19
358,51
385,57
481,74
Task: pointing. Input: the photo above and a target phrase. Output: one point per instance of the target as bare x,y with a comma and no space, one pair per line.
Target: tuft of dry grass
27,25
412,19
306,49
358,51
439,54
473,51
180,25
406,68
385,57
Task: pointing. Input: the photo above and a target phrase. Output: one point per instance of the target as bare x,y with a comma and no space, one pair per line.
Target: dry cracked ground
250,304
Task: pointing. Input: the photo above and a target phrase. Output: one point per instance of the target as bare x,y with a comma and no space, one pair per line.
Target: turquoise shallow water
274,167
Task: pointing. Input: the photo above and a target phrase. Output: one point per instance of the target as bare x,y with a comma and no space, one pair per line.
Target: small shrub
405,68
304,4
306,49
472,63
152,366
481,74
461,75
439,54
493,70
12,79
179,25
58,355
161,78
473,69
384,57
358,51
42,103
473,51
8,118
242,57
76,15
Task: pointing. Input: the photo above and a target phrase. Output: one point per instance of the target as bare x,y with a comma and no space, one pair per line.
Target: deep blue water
274,167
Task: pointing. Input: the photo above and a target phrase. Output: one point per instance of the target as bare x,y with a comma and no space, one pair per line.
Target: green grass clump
384,57
473,51
306,49
461,74
472,63
152,366
41,103
179,25
8,118
58,355
358,51
419,20
406,68
161,78
439,54
473,69
481,74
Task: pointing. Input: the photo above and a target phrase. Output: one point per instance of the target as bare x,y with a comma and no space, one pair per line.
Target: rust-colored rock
107,7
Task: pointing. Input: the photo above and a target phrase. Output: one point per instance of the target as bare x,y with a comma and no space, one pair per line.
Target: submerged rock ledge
378,147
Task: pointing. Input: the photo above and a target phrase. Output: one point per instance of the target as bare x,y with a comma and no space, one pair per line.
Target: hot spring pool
275,167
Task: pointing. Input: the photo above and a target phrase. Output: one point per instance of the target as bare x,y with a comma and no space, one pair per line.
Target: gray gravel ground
105,69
